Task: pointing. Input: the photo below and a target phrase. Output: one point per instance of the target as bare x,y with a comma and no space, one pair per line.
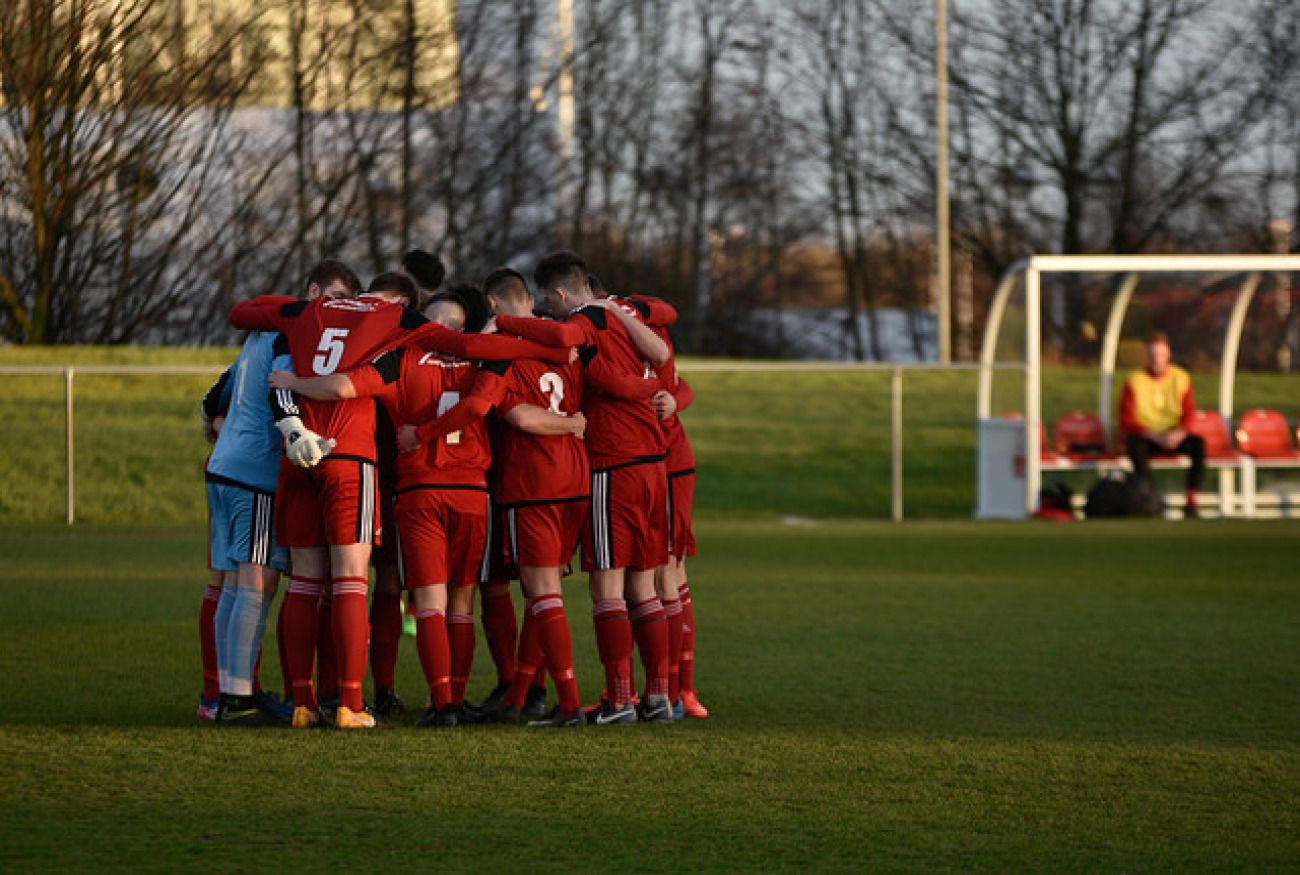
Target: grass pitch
932,696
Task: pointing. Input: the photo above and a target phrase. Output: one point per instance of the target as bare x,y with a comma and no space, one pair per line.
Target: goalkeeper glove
302,445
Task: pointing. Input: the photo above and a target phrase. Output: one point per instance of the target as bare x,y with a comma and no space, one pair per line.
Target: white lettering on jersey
552,386
357,305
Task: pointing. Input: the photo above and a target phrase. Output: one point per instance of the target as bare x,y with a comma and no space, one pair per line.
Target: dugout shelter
1011,463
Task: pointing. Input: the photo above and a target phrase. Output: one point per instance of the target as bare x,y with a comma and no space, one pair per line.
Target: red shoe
691,706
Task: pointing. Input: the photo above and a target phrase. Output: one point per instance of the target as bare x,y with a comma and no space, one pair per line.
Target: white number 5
329,350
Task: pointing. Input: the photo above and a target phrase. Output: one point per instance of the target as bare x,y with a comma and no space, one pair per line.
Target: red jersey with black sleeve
619,429
328,335
541,468
416,386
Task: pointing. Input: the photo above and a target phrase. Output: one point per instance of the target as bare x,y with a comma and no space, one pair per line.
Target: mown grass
932,696
940,695
800,443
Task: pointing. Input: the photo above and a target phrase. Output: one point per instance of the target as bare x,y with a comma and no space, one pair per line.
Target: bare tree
115,119
861,130
1096,126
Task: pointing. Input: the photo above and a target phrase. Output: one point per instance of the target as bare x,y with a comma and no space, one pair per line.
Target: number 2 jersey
620,429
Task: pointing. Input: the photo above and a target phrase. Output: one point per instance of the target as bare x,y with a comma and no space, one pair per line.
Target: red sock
500,627
385,634
614,643
327,664
435,654
208,642
284,652
301,625
686,658
673,613
351,638
460,632
526,662
650,629
557,643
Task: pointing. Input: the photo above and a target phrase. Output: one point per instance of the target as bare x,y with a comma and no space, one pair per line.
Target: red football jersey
619,428
414,387
329,335
325,336
532,468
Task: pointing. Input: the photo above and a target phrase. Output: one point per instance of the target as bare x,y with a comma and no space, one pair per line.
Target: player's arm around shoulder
649,345
266,312
534,420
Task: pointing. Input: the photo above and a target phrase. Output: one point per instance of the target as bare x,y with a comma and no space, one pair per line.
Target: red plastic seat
1265,434
1081,436
1212,429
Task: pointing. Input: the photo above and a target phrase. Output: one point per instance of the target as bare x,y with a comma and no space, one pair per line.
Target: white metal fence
896,383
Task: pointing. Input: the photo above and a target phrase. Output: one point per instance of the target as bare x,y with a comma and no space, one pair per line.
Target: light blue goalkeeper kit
247,452
241,476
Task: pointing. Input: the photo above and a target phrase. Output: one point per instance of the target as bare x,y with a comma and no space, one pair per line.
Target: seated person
1154,410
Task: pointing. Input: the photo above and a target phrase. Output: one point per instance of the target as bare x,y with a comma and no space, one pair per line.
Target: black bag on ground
1108,497
1143,499
1119,494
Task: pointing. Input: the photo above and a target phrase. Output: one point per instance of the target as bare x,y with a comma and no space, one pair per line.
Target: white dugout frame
1131,267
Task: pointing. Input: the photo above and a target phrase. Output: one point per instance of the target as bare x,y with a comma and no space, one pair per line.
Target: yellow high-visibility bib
1158,404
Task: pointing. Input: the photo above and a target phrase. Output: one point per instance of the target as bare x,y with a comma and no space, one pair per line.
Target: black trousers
1193,447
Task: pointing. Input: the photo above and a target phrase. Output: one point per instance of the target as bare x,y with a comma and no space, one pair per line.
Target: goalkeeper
241,476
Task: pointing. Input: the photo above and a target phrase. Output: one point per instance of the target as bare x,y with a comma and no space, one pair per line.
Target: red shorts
386,552
444,535
333,503
544,535
628,523
681,496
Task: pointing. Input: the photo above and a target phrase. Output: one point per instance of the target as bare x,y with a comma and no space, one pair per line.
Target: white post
1033,384
1110,348
67,427
942,244
1232,346
564,12
993,326
896,444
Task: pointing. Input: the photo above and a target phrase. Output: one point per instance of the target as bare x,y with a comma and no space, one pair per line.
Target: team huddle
455,442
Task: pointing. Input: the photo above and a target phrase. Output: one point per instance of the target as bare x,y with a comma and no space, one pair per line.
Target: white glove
302,445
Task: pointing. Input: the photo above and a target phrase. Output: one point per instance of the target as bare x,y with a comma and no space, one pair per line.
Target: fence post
896,444
67,425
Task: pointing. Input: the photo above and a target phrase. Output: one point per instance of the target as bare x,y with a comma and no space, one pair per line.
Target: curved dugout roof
1131,267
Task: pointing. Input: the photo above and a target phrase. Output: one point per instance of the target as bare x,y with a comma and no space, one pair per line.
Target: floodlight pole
942,244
